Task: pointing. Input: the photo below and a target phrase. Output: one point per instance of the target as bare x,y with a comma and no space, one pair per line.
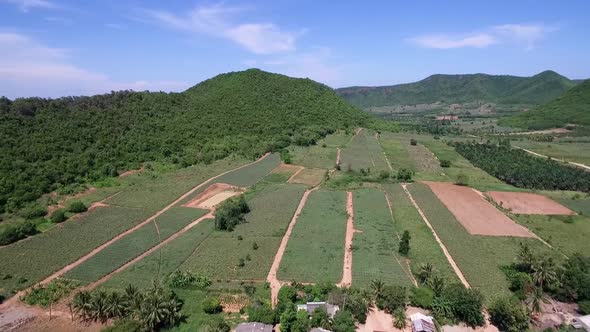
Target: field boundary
438,240
585,167
347,266
96,250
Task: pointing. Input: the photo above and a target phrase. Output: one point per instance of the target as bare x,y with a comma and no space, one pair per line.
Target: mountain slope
49,144
461,89
572,107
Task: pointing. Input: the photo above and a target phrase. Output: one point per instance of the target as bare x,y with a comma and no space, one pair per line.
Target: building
311,306
582,322
422,323
254,327
319,329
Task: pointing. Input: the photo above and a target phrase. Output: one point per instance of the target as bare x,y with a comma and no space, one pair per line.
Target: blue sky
52,48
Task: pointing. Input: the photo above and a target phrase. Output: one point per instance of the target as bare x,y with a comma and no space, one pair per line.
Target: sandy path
586,167
275,284
301,168
440,243
347,266
408,272
147,253
338,156
81,260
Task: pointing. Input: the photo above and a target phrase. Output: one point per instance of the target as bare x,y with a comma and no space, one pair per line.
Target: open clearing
528,203
477,215
375,244
480,258
315,251
213,195
309,176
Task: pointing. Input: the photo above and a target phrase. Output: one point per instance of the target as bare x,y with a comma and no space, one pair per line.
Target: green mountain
572,107
48,144
502,89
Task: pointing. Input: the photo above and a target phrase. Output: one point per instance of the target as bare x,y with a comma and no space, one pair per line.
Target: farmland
375,244
479,257
315,251
575,151
132,245
424,248
254,242
309,176
364,152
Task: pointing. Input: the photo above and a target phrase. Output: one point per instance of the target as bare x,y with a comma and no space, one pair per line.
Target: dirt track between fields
338,156
474,212
275,283
585,167
347,266
14,299
528,203
438,240
213,195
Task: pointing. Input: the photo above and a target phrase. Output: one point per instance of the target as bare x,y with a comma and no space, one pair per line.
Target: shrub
384,175
211,306
230,213
17,231
255,246
421,297
405,174
77,207
413,142
262,313
445,163
392,298
33,211
184,279
58,216
218,324
584,307
462,179
404,244
466,304
508,314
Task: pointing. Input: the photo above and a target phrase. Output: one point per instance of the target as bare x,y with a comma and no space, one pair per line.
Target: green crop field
424,248
33,259
161,263
315,156
568,234
374,254
218,257
364,151
134,244
337,140
315,251
396,152
479,257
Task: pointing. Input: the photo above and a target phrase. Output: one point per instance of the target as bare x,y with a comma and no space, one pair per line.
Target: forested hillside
573,107
49,144
504,89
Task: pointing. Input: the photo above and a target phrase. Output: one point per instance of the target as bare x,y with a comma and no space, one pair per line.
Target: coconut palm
133,299
399,319
99,306
437,284
116,305
154,311
377,287
526,256
425,272
82,305
535,298
544,272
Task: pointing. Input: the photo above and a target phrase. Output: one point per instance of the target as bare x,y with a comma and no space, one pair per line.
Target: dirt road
275,283
81,260
347,267
560,160
440,243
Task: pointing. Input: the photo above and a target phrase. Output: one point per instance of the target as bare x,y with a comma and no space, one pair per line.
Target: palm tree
377,287
437,284
133,299
425,272
99,306
535,298
399,318
526,256
154,311
442,307
544,272
82,305
116,305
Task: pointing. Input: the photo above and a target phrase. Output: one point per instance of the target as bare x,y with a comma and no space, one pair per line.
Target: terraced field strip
479,258
424,246
134,244
162,261
100,233
396,151
376,242
247,252
275,284
315,251
364,152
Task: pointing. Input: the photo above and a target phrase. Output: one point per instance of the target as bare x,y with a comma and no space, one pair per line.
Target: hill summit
504,89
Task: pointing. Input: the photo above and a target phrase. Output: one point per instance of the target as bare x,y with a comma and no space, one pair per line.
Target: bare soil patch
474,212
131,172
308,176
347,266
528,203
213,195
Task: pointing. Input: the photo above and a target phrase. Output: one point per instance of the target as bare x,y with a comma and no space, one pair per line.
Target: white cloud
25,5
217,20
480,40
29,68
518,33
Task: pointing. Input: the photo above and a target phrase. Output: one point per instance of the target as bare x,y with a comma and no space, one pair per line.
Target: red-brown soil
528,203
131,172
347,267
213,195
474,212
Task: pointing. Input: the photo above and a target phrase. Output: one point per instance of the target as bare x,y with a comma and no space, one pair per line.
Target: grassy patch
424,248
164,261
578,152
132,245
396,152
310,176
315,156
364,152
479,257
374,253
315,251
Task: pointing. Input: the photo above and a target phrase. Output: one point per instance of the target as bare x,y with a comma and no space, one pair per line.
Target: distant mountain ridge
573,107
464,88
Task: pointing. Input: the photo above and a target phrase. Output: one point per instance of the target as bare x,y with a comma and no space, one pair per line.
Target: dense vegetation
230,213
520,169
570,108
505,89
54,144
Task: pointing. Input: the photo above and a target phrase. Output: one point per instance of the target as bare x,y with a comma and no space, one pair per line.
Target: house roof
582,322
422,323
311,306
254,327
